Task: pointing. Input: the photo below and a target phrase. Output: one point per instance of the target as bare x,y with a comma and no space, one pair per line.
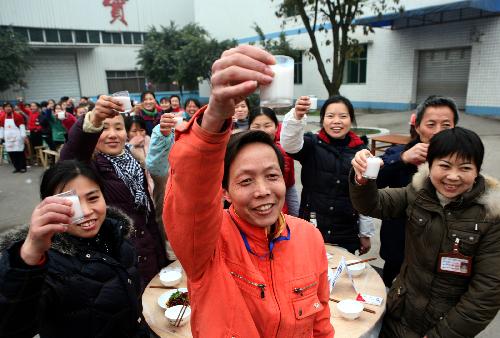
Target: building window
355,68
137,38
297,71
81,37
127,38
106,37
117,38
131,80
36,35
51,35
21,31
66,36
94,37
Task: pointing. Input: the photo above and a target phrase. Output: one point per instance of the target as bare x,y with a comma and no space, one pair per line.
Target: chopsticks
364,309
181,314
162,287
362,261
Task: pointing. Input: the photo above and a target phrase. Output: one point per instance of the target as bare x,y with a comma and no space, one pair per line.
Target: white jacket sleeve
292,132
366,226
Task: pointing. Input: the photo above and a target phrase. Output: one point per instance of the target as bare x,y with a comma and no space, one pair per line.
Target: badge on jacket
454,262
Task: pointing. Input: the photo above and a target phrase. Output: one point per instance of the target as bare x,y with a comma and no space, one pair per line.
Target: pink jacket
234,292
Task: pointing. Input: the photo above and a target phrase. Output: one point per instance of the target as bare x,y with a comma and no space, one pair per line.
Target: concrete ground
19,192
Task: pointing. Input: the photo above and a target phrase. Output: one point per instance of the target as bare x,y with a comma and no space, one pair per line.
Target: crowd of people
214,187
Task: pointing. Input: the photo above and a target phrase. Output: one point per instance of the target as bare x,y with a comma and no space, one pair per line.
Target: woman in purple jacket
99,138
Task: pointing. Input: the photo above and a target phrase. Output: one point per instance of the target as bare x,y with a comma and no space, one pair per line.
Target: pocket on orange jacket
305,310
304,286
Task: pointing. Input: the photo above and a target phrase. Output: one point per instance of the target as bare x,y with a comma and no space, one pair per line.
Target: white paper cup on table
314,102
124,98
71,195
372,167
61,115
279,93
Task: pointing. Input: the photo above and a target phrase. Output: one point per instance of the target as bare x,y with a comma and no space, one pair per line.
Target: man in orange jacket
252,271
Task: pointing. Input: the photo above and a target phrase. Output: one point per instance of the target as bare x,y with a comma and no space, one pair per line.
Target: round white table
367,325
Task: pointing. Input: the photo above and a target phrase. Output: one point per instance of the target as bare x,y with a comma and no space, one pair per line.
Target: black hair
164,99
337,99
175,95
263,111
436,101
464,143
240,140
44,104
57,176
195,101
83,105
5,104
37,104
143,95
64,98
247,102
130,120
85,98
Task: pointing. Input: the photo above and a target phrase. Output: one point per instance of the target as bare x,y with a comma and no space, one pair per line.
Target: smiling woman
63,279
99,138
452,240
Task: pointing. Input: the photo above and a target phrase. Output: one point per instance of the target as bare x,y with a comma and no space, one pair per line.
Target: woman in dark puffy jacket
326,160
61,279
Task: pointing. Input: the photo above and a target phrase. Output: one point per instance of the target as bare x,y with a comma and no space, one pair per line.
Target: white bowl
170,277
350,309
173,312
163,299
356,269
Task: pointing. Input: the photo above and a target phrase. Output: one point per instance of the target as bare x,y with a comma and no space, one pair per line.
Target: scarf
130,172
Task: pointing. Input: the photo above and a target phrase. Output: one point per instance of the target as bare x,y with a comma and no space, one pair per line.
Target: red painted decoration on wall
117,11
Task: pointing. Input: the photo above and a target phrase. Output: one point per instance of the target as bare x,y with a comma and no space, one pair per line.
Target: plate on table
163,299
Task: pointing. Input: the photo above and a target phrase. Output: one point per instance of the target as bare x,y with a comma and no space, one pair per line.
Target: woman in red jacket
252,271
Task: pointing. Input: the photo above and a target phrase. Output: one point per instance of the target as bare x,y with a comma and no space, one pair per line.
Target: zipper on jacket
301,290
261,286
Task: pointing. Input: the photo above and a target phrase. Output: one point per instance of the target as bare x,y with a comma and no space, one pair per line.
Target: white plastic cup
124,98
314,102
372,168
178,121
279,94
78,215
61,115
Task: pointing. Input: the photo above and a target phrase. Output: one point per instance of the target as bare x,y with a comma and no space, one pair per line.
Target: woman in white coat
13,133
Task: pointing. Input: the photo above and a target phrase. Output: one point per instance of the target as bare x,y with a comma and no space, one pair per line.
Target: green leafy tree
13,58
184,56
314,14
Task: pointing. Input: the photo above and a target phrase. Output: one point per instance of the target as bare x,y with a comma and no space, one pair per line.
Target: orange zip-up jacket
233,292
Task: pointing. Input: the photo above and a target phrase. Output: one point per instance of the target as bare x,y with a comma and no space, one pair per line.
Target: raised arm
162,139
192,211
293,126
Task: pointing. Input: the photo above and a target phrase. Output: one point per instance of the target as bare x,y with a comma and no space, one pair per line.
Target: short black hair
5,104
130,120
164,99
37,104
64,99
84,97
175,95
63,172
195,101
44,104
240,140
464,143
143,95
436,101
337,99
263,111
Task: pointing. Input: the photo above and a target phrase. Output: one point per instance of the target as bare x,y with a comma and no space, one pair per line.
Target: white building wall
92,15
93,64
